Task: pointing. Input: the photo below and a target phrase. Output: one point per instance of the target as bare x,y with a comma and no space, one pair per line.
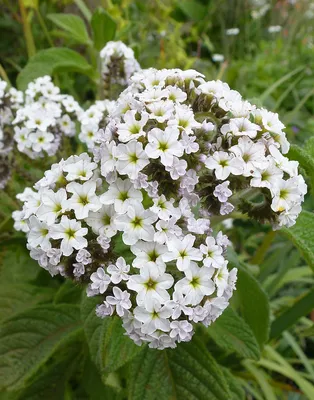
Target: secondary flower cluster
44,118
118,64
201,141
10,101
134,222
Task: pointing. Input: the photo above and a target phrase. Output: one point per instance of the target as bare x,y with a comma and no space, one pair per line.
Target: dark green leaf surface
109,347
30,338
302,235
234,335
187,372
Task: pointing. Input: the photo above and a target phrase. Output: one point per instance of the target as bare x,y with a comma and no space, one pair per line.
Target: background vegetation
52,346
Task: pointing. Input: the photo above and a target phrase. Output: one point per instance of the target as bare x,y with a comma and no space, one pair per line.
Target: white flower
150,285
167,230
183,252
38,234
196,284
82,170
285,193
252,154
119,271
104,310
179,304
52,205
164,144
132,128
83,199
224,165
136,224
222,192
267,177
241,127
84,257
122,195
221,279
121,300
154,317
102,221
100,280
149,252
108,157
177,169
71,233
163,208
131,159
188,143
181,330
232,31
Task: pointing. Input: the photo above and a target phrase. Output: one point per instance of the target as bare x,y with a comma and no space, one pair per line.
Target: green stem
4,75
44,27
30,45
259,256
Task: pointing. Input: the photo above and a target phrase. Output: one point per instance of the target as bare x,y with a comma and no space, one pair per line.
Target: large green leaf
15,298
253,301
234,335
103,27
193,9
302,235
72,24
49,61
235,388
187,372
31,337
109,347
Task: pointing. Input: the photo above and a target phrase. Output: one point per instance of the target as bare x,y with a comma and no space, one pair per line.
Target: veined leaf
72,24
235,387
234,335
109,347
254,304
103,27
15,298
49,61
187,372
302,235
30,338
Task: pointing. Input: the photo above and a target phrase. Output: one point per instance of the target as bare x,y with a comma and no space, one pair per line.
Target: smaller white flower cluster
10,100
118,64
45,116
75,224
94,119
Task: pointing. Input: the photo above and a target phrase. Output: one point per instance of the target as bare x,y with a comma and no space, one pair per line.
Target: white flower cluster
118,64
45,116
94,119
135,221
10,101
177,273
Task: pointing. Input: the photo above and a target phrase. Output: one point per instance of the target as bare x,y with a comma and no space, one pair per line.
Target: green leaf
234,335
49,61
31,337
18,297
72,24
187,372
302,235
304,155
69,292
234,384
109,348
302,307
193,9
254,304
103,27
